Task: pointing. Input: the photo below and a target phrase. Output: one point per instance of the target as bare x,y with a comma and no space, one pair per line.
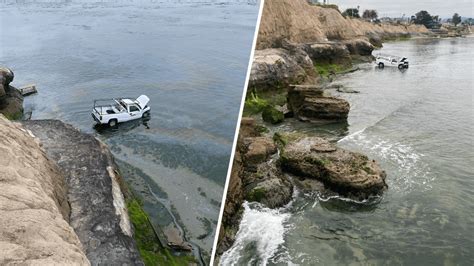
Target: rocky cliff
61,198
98,211
11,100
300,22
297,40
34,211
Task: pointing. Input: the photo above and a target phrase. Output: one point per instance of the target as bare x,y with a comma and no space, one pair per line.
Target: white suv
114,111
389,60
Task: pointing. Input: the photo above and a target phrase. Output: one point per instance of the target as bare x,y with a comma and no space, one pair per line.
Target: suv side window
134,108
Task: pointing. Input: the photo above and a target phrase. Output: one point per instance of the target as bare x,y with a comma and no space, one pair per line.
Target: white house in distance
325,2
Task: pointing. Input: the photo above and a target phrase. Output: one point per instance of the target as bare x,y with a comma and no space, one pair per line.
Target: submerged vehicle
389,60
117,110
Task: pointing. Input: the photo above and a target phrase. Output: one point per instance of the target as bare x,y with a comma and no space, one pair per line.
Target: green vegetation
280,139
318,161
326,69
456,19
15,116
151,251
256,194
424,18
254,104
271,115
261,129
351,12
370,14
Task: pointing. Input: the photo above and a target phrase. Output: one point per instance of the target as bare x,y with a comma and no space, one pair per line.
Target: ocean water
418,124
189,57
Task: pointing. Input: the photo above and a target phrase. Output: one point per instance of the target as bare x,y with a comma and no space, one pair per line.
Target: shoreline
112,195
289,80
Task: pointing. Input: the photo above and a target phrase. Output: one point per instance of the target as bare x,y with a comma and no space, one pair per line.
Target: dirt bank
300,22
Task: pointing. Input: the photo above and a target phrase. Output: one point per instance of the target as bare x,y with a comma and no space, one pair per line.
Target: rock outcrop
34,211
345,172
98,211
278,68
11,100
310,104
300,22
254,177
328,52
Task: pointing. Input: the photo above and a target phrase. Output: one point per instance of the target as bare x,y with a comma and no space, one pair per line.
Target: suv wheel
381,65
112,122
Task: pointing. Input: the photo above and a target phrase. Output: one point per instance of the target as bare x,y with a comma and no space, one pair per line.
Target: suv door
134,111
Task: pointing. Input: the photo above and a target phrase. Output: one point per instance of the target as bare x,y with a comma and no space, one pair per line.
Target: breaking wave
408,169
262,230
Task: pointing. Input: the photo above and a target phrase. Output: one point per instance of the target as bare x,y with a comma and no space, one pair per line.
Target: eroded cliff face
300,22
34,211
98,213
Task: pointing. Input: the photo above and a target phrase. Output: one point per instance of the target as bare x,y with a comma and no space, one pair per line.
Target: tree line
422,18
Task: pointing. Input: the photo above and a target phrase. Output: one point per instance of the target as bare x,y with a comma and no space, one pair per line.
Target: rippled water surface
189,57
418,124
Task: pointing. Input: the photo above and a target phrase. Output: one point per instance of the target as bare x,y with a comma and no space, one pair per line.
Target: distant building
324,2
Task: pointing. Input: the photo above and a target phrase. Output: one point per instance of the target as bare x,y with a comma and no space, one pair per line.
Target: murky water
418,124
189,57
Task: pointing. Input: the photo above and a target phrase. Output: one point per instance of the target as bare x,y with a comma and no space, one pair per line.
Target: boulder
375,40
272,115
347,173
329,53
248,128
6,76
311,104
359,47
11,100
270,187
274,69
257,150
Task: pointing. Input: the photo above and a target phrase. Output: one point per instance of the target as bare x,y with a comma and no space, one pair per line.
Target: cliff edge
34,211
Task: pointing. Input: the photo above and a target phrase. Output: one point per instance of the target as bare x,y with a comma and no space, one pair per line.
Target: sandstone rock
274,69
329,52
300,22
248,128
257,150
34,211
309,104
271,115
348,173
375,39
271,187
98,211
359,47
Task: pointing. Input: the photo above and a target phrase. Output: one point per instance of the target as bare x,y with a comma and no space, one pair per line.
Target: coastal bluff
61,198
34,211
